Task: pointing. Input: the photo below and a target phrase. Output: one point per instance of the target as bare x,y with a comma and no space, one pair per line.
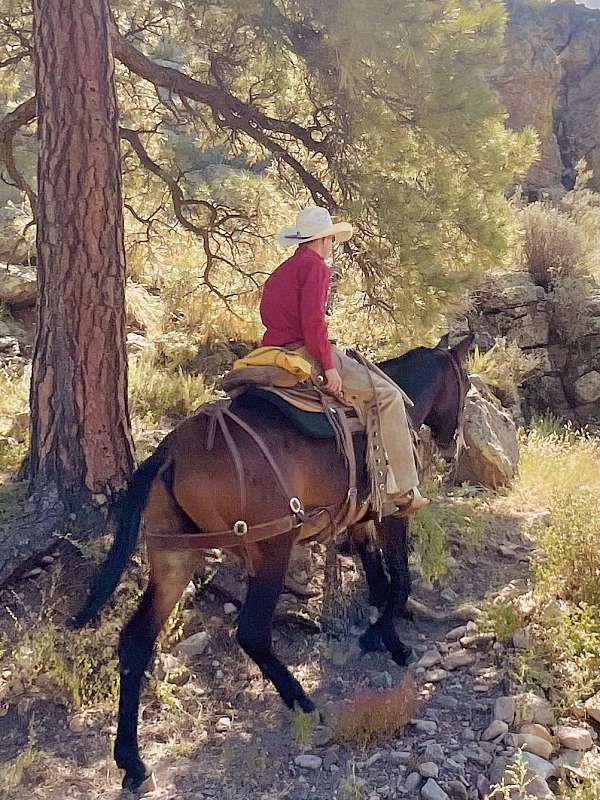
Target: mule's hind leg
269,561
170,573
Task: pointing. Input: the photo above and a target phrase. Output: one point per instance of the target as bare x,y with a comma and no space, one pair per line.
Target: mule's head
436,381
444,417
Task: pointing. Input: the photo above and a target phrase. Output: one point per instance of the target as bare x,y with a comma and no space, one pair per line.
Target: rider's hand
334,382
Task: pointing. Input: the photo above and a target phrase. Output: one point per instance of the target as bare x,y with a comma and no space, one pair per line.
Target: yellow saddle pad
277,357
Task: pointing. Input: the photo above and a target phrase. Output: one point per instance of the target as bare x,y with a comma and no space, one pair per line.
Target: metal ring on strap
295,505
240,528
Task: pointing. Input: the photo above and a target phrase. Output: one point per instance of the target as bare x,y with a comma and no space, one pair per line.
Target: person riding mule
293,311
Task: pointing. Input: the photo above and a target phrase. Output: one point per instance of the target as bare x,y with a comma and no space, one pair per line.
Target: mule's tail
127,513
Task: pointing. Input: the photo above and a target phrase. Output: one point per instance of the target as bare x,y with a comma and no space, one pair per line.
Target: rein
458,434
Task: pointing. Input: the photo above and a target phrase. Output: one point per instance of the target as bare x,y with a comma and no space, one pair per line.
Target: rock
372,760
592,707
307,761
194,645
513,290
445,701
495,729
491,454
531,708
537,730
33,573
223,725
505,709
574,738
77,724
322,736
483,785
382,680
169,663
433,791
479,756
412,782
456,633
229,608
460,658
587,388
449,595
497,769
477,640
429,769
430,658
400,757
434,752
534,744
18,285
538,767
427,726
138,344
435,675
539,788
9,346
521,640
457,790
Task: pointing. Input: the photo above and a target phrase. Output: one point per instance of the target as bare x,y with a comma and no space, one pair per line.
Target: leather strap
219,413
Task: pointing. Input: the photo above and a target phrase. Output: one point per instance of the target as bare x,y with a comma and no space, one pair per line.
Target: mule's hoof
403,656
371,641
133,783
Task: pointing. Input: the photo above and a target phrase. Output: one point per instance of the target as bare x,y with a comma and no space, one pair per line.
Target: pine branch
231,113
22,115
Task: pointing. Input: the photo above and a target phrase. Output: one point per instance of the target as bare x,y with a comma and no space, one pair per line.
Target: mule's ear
443,342
460,350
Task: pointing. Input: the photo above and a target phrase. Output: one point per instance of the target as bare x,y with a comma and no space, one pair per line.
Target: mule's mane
414,371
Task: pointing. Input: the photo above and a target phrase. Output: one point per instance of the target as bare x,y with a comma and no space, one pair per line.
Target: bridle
458,435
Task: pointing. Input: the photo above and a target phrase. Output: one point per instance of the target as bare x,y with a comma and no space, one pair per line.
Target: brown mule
184,489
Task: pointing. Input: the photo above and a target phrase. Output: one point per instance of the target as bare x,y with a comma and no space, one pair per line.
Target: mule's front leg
368,549
394,539
269,563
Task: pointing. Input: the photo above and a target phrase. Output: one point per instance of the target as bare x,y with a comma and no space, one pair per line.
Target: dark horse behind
185,488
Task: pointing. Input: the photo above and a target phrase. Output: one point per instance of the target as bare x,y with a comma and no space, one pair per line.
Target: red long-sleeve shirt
293,305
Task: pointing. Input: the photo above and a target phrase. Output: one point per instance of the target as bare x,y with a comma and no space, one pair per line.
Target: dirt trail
242,744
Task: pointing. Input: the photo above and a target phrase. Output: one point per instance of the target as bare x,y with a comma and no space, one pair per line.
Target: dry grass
156,393
504,366
556,244
373,713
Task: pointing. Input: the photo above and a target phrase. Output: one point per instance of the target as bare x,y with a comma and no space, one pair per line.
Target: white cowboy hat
313,223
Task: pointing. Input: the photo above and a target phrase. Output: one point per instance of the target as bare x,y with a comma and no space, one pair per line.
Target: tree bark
80,436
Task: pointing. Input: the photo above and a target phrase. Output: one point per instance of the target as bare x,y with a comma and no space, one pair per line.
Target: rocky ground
234,740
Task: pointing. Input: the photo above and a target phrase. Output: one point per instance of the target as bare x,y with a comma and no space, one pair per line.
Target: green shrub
430,548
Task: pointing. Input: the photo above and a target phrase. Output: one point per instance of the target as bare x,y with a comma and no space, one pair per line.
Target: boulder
491,453
587,388
17,236
18,285
574,738
592,707
532,708
510,291
534,744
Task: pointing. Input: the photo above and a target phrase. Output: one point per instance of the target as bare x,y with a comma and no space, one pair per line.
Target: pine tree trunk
80,438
